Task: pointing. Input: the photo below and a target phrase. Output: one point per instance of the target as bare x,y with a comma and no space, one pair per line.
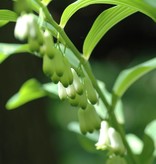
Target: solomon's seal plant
70,73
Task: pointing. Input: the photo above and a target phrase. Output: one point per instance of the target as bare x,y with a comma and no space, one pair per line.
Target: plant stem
86,66
122,134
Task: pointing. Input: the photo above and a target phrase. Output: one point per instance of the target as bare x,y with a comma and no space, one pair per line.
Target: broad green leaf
8,15
150,130
31,90
146,157
7,49
135,143
127,77
138,5
105,21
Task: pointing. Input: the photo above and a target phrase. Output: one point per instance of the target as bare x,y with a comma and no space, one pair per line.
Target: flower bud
48,66
55,79
67,78
103,141
76,82
50,50
116,141
22,27
27,27
71,91
33,45
85,124
90,91
59,64
74,102
83,101
88,118
62,91
94,117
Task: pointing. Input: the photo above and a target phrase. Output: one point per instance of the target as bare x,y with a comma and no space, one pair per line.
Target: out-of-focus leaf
138,5
101,109
8,15
74,126
69,55
30,90
146,156
150,130
2,23
9,49
127,77
135,143
105,21
151,2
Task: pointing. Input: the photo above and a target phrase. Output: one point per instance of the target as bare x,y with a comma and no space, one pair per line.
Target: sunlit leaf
31,90
150,130
135,143
105,21
138,5
9,49
127,77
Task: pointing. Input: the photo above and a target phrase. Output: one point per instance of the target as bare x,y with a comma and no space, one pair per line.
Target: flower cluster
110,139
77,90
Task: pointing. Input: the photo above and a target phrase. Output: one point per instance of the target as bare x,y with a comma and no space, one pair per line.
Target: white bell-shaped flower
116,141
26,25
62,91
103,141
22,27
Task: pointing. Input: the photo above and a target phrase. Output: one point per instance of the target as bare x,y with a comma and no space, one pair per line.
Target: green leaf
69,55
3,23
127,77
135,143
150,130
30,90
9,49
146,156
8,16
105,21
138,5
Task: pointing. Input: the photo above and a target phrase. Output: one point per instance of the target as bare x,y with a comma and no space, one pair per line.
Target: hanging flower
103,141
